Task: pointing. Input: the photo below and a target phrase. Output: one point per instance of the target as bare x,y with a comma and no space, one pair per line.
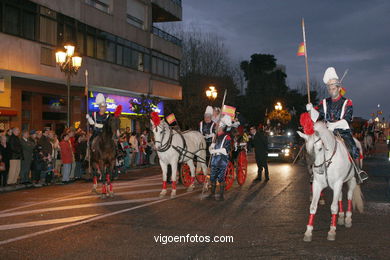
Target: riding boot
212,193
221,191
361,175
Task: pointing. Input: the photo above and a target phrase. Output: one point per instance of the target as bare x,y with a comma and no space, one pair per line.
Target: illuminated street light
211,93
69,64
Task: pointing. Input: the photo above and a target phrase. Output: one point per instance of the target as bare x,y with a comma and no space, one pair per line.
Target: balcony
166,36
166,11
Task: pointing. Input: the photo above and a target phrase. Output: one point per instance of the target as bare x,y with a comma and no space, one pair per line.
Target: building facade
125,55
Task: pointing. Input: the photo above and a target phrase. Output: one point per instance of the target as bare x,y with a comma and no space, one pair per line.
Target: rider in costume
220,151
207,128
97,119
337,111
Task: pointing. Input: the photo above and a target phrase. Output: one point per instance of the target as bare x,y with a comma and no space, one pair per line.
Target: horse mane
325,134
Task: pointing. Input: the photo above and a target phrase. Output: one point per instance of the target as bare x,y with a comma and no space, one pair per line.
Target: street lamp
211,93
278,106
69,64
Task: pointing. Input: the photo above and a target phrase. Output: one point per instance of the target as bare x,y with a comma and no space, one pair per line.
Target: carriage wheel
242,167
185,175
200,177
230,176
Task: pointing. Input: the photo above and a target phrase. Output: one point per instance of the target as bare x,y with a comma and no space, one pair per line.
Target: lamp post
211,93
69,64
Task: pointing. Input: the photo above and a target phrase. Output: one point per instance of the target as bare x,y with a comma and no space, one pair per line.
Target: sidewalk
84,178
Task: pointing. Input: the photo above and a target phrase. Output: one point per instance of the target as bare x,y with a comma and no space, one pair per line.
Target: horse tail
357,199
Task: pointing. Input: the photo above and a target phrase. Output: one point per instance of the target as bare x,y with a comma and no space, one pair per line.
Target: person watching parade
337,111
220,151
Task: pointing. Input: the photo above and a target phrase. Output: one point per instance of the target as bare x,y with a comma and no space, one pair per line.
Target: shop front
129,117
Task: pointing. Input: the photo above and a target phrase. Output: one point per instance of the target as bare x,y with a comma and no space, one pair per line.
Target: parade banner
301,49
115,100
229,110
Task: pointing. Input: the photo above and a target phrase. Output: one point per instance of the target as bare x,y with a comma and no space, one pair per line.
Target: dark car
282,147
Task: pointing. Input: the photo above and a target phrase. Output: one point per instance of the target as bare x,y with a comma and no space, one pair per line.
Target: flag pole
306,63
88,155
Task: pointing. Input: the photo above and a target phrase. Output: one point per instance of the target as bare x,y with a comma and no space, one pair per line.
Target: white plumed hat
209,110
331,75
100,100
226,120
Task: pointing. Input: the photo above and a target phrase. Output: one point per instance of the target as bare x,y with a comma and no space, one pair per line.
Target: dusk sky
348,34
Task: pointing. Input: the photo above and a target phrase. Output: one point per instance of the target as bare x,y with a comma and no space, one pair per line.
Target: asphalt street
264,220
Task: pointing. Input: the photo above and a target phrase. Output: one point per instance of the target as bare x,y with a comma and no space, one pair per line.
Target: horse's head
111,125
159,131
316,142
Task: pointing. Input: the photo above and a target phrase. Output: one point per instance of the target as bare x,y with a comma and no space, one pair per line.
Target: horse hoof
103,196
111,195
322,202
94,191
331,236
307,238
173,194
348,225
191,188
163,193
340,222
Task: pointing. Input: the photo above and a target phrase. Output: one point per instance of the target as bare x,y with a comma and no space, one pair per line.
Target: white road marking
80,206
73,195
45,222
118,194
89,220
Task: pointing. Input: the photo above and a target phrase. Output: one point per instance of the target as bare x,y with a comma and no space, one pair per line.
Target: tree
266,86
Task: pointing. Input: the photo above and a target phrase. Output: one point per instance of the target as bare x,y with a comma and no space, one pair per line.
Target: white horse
368,144
331,168
174,147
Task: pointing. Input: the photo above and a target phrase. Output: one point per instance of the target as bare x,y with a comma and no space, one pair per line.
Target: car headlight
286,151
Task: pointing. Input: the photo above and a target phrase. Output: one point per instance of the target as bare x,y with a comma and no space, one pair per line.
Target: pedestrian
134,145
153,153
28,148
73,142
81,150
67,157
4,160
15,156
260,144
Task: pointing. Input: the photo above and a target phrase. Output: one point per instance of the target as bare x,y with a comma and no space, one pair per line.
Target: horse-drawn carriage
237,169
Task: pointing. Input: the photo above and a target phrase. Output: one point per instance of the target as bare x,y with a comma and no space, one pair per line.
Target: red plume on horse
118,111
155,118
307,123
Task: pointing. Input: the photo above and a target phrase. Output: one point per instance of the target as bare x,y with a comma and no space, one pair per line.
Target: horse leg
190,163
317,188
348,216
340,220
103,176
334,210
110,191
174,176
164,168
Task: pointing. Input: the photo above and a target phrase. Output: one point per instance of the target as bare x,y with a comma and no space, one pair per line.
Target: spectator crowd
44,158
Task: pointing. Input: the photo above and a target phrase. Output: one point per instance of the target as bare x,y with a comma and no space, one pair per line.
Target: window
110,51
100,48
12,20
102,5
119,54
28,30
80,43
48,30
90,46
136,13
48,57
127,57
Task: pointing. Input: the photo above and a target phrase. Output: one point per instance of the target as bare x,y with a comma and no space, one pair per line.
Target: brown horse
103,155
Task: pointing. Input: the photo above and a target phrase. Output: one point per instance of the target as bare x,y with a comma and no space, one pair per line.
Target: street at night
266,219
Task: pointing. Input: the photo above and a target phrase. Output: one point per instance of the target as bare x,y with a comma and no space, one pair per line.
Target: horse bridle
329,161
167,145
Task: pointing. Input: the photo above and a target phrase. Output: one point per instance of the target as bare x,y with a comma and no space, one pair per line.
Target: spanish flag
171,118
343,91
301,49
229,110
